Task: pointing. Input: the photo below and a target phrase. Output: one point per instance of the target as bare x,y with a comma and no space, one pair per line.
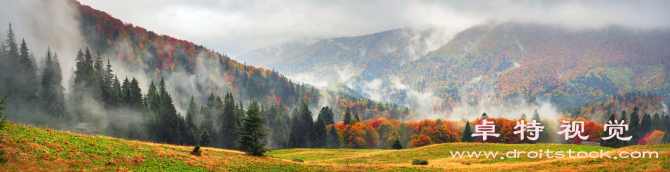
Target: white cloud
235,26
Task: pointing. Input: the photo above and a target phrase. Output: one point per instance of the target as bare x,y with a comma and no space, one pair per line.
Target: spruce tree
252,134
27,74
167,114
205,139
321,134
187,135
135,95
396,144
191,113
523,116
228,122
536,116
347,116
333,138
357,118
612,142
634,127
656,123
624,119
51,98
645,125
467,133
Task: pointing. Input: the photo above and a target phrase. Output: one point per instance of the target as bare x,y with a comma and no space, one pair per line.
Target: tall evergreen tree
135,95
347,116
536,116
624,119
51,97
396,144
252,134
645,125
467,133
612,142
279,135
169,121
187,135
28,74
328,115
333,138
634,126
205,138
321,134
152,97
656,123
191,112
228,122
302,133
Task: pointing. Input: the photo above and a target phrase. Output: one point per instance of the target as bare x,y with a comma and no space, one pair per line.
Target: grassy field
36,149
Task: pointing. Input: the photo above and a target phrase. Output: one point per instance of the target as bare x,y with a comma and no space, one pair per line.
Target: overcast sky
238,26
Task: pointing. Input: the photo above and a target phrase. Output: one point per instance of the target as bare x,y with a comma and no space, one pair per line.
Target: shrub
298,160
196,150
420,162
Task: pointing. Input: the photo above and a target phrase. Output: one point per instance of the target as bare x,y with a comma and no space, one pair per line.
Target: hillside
507,66
439,157
37,149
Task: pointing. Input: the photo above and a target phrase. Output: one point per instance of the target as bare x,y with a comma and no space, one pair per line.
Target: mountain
270,53
511,64
194,70
367,56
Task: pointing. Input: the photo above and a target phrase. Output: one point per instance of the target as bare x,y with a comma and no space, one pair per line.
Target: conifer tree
191,113
51,97
187,135
135,95
333,138
625,133
612,142
536,116
347,116
645,125
396,144
321,134
656,123
205,139
634,127
228,122
169,121
27,74
467,133
252,133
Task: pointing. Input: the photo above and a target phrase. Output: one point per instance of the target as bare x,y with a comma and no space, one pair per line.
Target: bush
196,150
298,160
419,162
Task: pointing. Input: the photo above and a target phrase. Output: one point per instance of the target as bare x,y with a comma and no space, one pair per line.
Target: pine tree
107,86
333,138
228,122
357,118
279,135
169,121
623,119
152,96
656,123
645,125
187,135
51,98
328,115
523,116
205,139
347,116
191,113
126,93
321,134
467,133
252,133
612,142
27,74
3,117
536,116
634,127
396,144
135,95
